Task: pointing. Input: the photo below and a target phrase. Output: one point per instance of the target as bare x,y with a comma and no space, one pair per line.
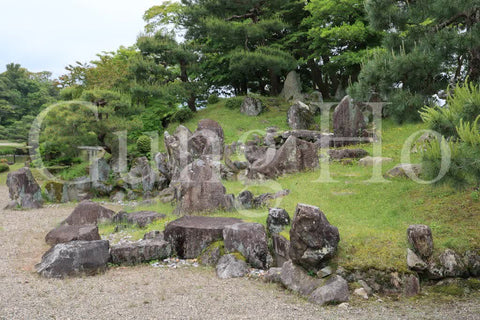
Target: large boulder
24,191
453,265
200,189
131,253
299,116
472,261
313,239
178,153
140,218
142,176
404,170
297,279
420,238
251,106
250,239
335,290
54,191
292,87
348,120
190,235
294,155
74,258
245,200
280,248
414,262
277,220
207,140
64,234
88,212
339,154
230,267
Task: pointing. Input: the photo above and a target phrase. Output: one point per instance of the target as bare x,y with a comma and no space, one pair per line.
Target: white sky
47,35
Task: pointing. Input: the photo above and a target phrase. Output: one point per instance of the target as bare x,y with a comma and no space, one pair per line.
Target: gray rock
281,248
297,279
292,87
100,170
251,106
141,251
24,191
348,120
142,176
230,267
200,189
435,271
452,264
178,153
324,272
167,195
339,154
273,275
411,285
313,240
140,218
250,239
118,196
299,116
212,254
207,140
319,138
414,262
74,258
54,191
277,220
245,200
361,293
190,235
365,286
335,290
88,212
294,155
420,238
264,199
64,234
373,161
472,261
404,170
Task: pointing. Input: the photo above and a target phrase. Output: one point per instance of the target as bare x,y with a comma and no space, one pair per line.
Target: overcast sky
47,35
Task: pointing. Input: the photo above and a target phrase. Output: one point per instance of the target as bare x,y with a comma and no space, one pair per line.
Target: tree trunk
474,64
317,79
191,103
275,83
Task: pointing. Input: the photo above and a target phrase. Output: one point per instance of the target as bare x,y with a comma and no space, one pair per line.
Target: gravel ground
144,292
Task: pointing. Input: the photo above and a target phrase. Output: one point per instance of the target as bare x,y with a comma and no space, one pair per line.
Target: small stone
335,290
373,161
277,219
414,262
365,286
361,292
420,237
324,272
230,267
344,305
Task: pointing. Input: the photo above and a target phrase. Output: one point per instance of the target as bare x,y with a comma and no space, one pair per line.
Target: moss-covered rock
54,191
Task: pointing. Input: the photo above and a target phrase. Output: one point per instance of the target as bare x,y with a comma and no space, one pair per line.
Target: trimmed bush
212,99
4,167
144,144
182,115
234,103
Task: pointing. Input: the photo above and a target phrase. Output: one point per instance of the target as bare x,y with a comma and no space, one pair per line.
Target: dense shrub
234,103
4,167
212,99
144,144
182,115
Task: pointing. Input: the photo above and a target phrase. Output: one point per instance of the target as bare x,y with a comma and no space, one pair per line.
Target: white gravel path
144,292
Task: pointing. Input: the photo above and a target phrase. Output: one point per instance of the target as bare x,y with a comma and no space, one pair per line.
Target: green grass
372,217
3,175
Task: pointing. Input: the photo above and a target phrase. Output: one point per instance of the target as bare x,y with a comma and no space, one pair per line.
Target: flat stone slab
140,251
64,234
141,218
190,235
88,212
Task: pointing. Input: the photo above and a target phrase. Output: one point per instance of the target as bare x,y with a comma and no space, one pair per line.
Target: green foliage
144,144
4,167
234,103
75,171
182,115
212,99
71,93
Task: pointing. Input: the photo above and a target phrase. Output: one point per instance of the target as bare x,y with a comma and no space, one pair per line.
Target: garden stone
435,271
140,218
264,199
299,116
373,161
54,191
167,195
404,170
411,285
335,290
178,153
277,220
74,258
452,264
319,138
88,212
154,234
141,251
24,191
348,120
365,286
212,254
142,176
190,235
361,293
251,106
250,239
420,238
324,272
339,154
414,262
292,87
100,170
472,261
273,275
245,200
254,153
64,234
294,155
207,140
230,267
297,279
118,196
313,240
200,189
280,247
